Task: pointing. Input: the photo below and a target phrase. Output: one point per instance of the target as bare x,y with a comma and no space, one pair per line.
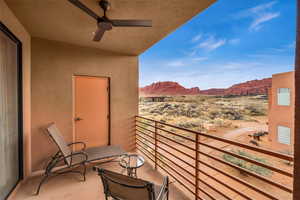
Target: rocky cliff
167,88
253,87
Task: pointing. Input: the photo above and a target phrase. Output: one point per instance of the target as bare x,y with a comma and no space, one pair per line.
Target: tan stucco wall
281,115
10,21
53,65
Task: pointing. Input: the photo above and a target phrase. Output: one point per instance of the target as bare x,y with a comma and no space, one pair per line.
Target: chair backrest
60,142
122,187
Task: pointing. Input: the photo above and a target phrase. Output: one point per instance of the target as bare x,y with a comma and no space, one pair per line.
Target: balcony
70,186
200,166
204,166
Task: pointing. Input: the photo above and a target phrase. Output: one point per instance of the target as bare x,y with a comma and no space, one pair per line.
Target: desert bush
247,165
225,114
254,111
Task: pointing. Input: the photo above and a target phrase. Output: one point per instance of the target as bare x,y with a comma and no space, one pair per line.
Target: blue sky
230,42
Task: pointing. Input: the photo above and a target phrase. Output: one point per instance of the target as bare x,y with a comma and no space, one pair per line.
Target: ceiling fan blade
102,27
80,5
131,23
99,34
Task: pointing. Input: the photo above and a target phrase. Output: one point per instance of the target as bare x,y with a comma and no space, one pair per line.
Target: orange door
91,110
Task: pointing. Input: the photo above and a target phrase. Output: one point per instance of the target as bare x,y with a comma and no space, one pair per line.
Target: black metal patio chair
73,160
120,187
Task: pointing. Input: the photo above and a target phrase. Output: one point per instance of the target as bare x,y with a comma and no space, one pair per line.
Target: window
10,115
283,96
284,135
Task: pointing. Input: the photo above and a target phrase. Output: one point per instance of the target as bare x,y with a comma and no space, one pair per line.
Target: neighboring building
281,111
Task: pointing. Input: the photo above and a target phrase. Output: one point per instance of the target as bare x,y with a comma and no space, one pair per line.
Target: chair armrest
82,153
164,190
82,143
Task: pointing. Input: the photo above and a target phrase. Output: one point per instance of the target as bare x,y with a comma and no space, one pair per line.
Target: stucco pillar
297,112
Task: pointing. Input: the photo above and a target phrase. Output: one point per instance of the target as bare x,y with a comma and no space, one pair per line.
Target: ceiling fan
106,24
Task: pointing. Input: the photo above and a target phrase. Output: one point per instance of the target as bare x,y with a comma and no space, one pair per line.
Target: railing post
196,166
155,146
135,142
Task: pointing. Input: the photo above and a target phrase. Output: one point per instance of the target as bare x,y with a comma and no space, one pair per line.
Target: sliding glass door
10,113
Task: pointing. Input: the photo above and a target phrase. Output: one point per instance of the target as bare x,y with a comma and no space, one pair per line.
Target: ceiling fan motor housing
104,4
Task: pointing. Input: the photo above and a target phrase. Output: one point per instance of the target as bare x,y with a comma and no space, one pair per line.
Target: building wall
281,115
53,65
11,22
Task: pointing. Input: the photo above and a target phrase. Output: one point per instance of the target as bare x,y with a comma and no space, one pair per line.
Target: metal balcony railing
212,167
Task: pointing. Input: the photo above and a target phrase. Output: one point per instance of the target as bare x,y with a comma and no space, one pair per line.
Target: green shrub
248,165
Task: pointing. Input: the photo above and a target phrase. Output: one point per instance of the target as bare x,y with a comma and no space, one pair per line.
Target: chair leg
84,171
41,183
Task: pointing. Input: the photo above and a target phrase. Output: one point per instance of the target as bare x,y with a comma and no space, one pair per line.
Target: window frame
278,96
290,135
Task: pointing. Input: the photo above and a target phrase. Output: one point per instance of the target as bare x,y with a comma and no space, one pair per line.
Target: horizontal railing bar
139,146
224,184
146,139
190,148
190,175
240,181
145,129
214,189
153,126
145,134
193,175
249,160
146,150
152,154
182,184
182,176
258,149
176,157
145,144
243,145
178,135
182,169
250,173
177,150
163,168
210,196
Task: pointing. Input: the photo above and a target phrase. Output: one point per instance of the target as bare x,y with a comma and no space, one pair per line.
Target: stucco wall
12,23
281,115
53,65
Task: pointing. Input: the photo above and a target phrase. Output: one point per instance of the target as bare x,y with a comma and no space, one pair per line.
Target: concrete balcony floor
70,186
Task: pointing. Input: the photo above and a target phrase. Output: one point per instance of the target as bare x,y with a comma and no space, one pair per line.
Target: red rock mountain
172,88
247,88
167,88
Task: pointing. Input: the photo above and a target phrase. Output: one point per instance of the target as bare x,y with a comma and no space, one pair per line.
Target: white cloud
197,38
199,59
234,41
176,63
185,61
211,43
260,15
257,23
263,7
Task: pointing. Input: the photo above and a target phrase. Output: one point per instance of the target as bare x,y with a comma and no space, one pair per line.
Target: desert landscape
238,113
240,110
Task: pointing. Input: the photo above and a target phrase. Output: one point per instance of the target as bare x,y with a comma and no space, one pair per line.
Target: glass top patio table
132,162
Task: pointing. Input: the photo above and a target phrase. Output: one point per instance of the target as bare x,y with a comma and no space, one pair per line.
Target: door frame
109,98
14,38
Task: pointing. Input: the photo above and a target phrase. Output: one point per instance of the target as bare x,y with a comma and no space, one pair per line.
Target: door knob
78,119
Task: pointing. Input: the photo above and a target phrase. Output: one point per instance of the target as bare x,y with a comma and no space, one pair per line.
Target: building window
283,96
284,135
